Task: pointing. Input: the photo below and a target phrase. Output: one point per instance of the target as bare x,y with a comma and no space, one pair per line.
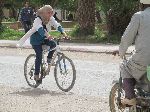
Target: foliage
75,31
1,14
122,10
70,5
98,5
118,6
10,34
9,20
99,35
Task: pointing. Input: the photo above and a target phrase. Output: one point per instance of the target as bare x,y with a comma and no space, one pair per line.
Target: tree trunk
86,17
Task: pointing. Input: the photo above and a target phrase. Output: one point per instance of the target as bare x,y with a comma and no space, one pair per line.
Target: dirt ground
40,100
19,99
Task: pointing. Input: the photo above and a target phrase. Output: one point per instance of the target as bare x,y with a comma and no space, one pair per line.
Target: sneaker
36,77
128,102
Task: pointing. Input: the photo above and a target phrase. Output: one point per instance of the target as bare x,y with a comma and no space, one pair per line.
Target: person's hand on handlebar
64,34
50,37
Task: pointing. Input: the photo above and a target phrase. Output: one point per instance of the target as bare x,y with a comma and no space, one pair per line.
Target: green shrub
99,35
9,20
75,31
10,34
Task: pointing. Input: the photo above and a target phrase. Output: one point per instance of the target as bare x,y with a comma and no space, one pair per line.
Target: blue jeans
38,51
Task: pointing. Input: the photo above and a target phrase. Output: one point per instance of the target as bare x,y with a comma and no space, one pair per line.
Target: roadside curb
63,49
90,48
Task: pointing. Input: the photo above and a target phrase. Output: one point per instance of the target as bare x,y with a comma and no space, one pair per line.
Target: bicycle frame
56,53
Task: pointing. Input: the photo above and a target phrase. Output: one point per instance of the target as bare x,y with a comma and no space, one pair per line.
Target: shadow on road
39,92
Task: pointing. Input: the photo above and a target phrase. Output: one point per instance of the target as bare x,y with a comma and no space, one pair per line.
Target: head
144,4
26,4
45,13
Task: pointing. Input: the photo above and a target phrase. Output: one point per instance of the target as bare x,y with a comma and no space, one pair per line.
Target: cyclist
138,31
42,24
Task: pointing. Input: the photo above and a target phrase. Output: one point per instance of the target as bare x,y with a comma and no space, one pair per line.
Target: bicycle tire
25,71
112,97
74,74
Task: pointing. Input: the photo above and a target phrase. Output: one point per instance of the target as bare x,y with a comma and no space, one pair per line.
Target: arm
37,26
129,34
57,26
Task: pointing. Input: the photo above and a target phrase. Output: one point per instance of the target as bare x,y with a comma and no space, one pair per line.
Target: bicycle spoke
65,74
29,69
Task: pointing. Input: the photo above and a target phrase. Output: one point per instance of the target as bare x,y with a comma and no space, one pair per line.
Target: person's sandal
128,103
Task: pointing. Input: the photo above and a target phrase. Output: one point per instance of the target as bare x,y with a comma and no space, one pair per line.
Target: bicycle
63,66
142,91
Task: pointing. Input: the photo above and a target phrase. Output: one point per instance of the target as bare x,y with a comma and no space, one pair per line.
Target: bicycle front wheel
65,73
29,69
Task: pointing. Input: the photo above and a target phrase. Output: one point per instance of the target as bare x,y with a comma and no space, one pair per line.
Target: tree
1,14
45,2
118,13
86,17
70,5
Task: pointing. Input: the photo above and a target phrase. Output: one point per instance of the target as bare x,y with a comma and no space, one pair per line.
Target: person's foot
127,102
36,77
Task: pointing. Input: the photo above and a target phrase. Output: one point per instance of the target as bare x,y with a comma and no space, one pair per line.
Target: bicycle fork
120,90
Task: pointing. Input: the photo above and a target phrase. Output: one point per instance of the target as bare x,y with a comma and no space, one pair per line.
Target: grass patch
10,34
55,34
99,36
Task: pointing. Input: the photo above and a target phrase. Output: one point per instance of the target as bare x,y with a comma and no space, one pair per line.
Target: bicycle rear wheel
114,99
29,69
65,73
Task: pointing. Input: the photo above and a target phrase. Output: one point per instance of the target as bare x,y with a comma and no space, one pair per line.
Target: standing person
138,32
26,17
